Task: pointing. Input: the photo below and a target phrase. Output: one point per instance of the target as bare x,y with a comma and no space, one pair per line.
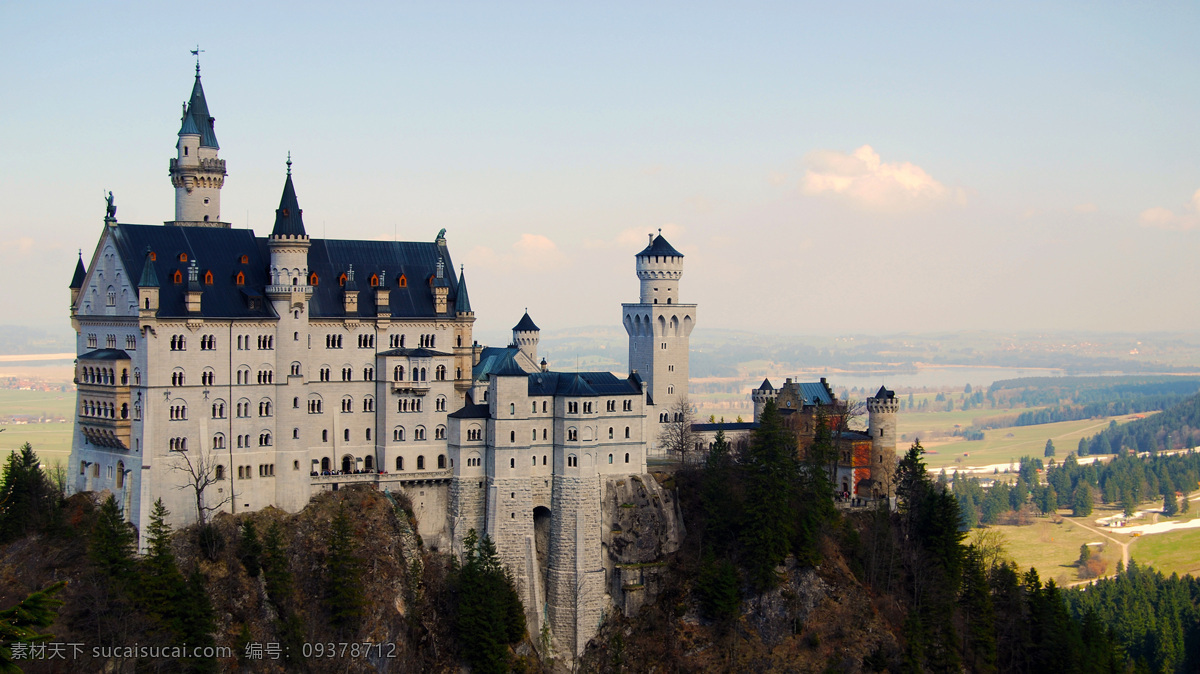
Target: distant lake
931,376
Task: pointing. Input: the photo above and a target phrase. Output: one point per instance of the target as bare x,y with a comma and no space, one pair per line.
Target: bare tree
840,419
677,434
201,474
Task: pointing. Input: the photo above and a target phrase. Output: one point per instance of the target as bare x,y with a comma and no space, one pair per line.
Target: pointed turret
289,222
462,303
148,288
526,335
77,280
196,172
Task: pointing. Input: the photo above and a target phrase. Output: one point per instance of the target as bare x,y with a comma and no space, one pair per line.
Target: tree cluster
1128,480
29,501
489,612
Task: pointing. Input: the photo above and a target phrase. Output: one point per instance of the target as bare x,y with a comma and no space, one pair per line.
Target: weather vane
289,162
197,52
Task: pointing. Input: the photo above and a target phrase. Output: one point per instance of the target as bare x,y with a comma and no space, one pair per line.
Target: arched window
398,434
342,280
512,408
610,458
208,278
183,257
402,282
313,279
374,280
240,279
512,436
421,462
245,259
610,435
177,277
399,463
626,457
441,460
512,463
626,431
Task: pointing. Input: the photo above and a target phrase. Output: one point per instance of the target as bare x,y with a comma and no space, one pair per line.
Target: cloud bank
865,180
1164,218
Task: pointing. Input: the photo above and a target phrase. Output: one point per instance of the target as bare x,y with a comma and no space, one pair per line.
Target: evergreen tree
1170,504
769,467
112,542
1049,448
717,586
27,499
25,622
490,615
1081,504
975,600
719,498
275,568
1083,448
160,585
197,622
343,582
250,548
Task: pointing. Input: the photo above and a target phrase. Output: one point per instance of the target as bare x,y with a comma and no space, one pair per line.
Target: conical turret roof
288,220
462,303
659,246
80,274
526,325
149,276
196,119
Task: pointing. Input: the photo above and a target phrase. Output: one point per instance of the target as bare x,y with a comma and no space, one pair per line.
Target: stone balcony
415,387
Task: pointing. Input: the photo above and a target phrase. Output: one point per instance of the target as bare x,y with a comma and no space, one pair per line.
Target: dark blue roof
659,246
80,274
581,384
726,426
420,352
493,359
885,393
105,354
220,250
149,278
214,249
526,324
470,412
287,217
765,386
198,112
462,304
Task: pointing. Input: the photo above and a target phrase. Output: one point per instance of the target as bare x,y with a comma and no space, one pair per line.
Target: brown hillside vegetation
407,607
818,619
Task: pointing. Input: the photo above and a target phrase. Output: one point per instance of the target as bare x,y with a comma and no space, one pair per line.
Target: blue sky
859,168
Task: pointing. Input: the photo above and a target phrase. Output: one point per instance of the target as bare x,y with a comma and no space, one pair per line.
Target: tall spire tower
196,172
659,326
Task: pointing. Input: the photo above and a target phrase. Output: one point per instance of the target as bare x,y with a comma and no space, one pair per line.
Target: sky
825,168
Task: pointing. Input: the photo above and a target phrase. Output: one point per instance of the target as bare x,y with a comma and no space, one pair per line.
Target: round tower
659,267
526,335
760,396
197,173
882,409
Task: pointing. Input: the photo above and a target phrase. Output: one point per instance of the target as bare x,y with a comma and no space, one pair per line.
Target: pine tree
975,599
27,500
1170,504
1081,504
770,474
24,622
160,585
343,583
718,498
490,614
112,542
197,623
1049,448
250,548
275,568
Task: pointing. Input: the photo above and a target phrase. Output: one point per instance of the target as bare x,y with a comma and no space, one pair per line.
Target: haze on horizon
866,169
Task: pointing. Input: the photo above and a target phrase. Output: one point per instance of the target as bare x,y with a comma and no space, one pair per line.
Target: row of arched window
102,375
208,342
102,410
398,434
419,374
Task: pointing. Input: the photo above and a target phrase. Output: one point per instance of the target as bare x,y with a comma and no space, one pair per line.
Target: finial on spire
289,162
196,52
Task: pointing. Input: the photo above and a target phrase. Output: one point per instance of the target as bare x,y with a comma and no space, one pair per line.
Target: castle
225,372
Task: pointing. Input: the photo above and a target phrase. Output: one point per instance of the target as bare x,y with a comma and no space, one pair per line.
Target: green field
1170,552
49,403
1052,548
1004,445
52,442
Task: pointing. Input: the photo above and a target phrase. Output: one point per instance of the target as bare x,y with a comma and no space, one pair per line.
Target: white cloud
864,179
1163,218
531,251
1085,208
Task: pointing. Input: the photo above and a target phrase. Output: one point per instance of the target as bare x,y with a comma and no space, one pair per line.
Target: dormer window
208,278
183,257
240,279
342,280
431,278
153,256
245,259
177,277
374,280
312,279
285,212
403,282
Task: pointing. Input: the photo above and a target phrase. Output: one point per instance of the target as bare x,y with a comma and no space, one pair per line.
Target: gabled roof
526,324
659,246
462,303
288,220
581,384
765,386
885,393
815,393
494,359
201,121
80,274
